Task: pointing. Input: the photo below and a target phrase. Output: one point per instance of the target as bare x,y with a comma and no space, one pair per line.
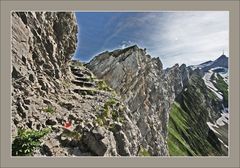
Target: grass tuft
49,109
143,152
101,85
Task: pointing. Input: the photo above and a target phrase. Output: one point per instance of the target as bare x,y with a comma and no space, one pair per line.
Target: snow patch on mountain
221,71
209,84
223,119
203,65
211,126
223,143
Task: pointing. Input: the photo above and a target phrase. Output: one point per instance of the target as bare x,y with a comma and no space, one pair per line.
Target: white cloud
189,37
125,44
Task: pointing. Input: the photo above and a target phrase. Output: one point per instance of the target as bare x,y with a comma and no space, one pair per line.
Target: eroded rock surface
145,87
51,91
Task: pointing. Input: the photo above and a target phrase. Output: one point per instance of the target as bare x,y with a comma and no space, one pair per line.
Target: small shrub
122,108
27,141
103,86
115,115
49,109
143,152
106,113
110,102
106,108
84,92
91,92
66,84
109,112
102,118
114,94
112,127
88,92
121,119
99,121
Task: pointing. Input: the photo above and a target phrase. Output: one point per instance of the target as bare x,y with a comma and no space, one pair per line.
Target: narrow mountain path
85,120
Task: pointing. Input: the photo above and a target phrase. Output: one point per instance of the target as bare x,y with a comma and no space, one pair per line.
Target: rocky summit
121,103
145,88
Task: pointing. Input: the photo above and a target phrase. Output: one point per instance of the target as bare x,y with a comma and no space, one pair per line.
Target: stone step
81,71
86,72
83,84
76,69
78,73
84,79
85,91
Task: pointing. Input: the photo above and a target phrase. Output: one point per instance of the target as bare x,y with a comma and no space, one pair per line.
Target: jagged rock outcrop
51,91
146,88
42,46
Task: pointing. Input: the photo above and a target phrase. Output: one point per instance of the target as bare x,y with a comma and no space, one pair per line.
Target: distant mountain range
216,78
219,65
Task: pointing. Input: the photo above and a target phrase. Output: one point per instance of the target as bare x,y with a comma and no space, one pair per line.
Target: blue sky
175,37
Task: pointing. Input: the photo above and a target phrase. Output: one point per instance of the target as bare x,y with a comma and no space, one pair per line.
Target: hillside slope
198,123
189,133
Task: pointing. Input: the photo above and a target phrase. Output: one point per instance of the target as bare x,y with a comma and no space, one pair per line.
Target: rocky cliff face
42,46
151,93
145,88
59,108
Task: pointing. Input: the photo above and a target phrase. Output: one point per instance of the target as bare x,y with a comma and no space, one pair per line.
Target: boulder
100,141
51,121
122,143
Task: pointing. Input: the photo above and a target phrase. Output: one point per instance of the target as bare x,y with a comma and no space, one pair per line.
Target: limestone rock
122,143
51,121
146,89
101,142
42,47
